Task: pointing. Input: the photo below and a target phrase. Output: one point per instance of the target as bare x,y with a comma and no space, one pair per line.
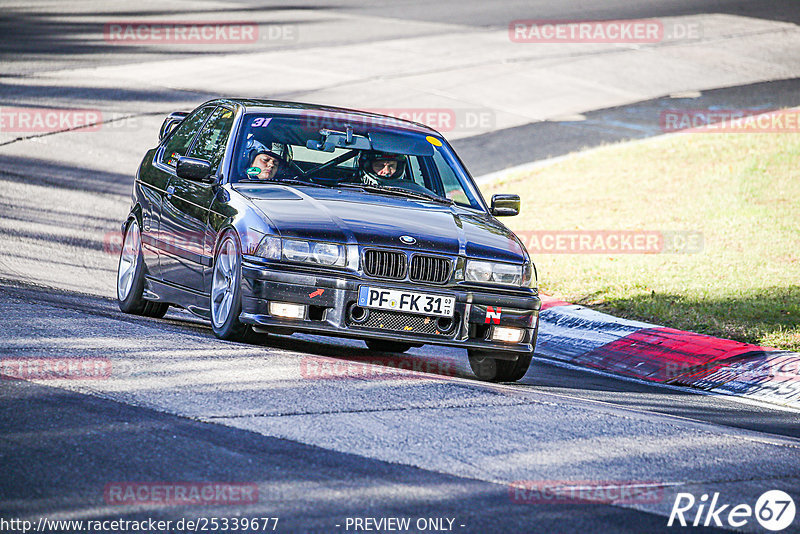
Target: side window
213,139
181,138
452,187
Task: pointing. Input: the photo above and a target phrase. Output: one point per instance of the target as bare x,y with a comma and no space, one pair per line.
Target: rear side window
181,138
213,139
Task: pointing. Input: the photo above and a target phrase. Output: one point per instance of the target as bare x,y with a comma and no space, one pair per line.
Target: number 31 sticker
261,122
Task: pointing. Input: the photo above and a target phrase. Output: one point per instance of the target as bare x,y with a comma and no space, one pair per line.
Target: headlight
269,248
496,273
479,271
274,248
294,250
324,254
328,254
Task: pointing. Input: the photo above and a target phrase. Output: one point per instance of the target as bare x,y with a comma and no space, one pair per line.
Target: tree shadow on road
50,172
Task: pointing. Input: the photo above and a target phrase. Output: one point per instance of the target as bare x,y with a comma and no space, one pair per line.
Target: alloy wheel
128,261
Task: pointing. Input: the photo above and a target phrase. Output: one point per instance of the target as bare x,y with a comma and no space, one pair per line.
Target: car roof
326,113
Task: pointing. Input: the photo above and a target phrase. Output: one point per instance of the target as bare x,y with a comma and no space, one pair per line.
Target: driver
378,166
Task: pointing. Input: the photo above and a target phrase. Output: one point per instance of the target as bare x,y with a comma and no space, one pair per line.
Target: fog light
507,335
287,310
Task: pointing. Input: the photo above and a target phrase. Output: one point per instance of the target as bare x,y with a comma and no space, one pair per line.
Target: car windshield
374,158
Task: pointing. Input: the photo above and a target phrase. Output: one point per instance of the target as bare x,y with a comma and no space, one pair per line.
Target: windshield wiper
399,191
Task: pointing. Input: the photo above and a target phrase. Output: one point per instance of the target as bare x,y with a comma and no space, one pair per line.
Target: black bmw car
278,217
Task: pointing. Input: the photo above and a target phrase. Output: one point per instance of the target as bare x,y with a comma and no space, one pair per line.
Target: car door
159,174
186,207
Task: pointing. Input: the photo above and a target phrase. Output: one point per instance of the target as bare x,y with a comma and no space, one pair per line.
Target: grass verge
741,191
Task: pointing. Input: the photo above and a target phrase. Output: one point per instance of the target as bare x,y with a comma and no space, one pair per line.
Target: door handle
170,191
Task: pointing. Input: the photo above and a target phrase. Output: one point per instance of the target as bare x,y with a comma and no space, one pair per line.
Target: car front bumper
328,297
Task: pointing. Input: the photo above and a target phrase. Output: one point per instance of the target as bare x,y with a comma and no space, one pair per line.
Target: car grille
430,269
393,265
400,322
385,264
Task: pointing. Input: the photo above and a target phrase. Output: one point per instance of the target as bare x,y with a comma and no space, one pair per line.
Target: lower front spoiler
330,299
268,323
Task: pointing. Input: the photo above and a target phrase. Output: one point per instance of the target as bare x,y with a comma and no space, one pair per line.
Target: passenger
267,162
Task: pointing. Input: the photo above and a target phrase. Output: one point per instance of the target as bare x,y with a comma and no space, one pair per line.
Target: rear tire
226,292
130,277
493,370
379,345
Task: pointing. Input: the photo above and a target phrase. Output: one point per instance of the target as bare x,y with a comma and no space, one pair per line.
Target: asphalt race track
181,405
324,430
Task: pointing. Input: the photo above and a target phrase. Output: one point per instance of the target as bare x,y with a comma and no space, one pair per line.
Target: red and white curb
587,338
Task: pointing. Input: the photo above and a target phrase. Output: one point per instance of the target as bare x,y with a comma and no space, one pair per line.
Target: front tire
226,292
130,277
493,370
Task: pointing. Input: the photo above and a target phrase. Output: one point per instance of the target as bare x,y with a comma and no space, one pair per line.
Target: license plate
406,301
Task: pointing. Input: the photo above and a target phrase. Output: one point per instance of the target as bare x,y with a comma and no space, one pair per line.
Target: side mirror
169,124
197,170
505,205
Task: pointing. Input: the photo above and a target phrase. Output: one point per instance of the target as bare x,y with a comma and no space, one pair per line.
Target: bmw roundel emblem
407,239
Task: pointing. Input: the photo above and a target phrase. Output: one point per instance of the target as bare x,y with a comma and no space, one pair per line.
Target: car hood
353,216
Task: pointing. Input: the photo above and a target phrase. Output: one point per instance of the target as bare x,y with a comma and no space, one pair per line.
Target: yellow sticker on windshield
432,140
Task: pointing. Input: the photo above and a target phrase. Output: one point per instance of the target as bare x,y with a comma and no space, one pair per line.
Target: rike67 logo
774,510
